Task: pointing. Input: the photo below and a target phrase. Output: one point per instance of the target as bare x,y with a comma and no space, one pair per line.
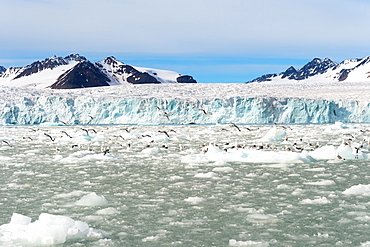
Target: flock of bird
101,139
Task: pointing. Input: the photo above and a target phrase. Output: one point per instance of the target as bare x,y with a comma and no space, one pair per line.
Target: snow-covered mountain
75,71
119,73
324,70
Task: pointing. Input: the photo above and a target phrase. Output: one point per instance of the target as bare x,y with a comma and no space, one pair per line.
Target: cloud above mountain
192,26
191,35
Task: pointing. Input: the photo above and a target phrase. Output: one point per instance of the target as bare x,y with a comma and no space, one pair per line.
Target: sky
215,41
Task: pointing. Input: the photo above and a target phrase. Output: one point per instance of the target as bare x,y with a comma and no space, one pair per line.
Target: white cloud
296,27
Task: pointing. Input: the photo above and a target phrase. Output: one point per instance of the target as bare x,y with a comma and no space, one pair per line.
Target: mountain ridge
75,71
323,70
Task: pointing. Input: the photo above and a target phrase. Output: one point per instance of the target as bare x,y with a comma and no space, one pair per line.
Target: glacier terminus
186,104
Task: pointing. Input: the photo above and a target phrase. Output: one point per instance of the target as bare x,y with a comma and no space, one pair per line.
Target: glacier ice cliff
131,110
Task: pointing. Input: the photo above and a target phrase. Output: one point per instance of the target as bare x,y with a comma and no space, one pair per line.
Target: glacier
131,110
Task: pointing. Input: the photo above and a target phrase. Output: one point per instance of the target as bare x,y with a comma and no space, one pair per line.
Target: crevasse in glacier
87,110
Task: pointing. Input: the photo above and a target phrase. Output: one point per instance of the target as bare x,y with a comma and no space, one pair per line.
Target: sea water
185,185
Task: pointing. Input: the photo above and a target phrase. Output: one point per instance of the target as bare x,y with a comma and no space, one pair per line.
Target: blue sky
213,40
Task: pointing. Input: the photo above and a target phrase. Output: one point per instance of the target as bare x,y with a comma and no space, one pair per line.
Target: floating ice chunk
249,155
154,150
318,169
322,182
262,218
322,235
206,175
233,242
180,138
321,200
194,199
366,244
50,124
18,219
363,218
274,135
92,199
344,151
161,139
150,238
361,189
108,211
70,194
175,177
351,151
220,163
324,153
47,230
212,150
223,169
338,125
297,191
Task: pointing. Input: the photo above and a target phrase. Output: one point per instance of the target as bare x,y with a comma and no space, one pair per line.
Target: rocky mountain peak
119,71
349,69
291,71
75,57
316,66
84,74
2,69
75,71
49,63
110,60
364,61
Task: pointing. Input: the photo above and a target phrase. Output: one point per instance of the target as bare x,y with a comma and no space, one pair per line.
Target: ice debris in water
233,242
194,199
360,189
47,230
274,134
92,199
320,200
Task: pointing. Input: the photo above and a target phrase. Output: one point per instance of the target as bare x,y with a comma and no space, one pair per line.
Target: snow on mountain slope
164,76
41,79
75,71
39,74
324,70
121,73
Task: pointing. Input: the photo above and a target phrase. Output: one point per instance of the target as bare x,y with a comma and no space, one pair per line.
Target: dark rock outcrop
343,74
315,67
185,79
267,77
290,72
2,70
141,78
133,75
84,74
48,63
75,57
